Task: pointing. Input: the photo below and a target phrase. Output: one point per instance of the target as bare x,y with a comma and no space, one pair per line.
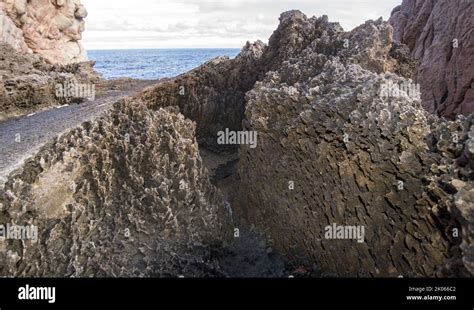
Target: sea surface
153,64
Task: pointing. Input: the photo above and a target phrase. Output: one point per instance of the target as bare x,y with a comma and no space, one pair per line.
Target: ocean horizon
151,64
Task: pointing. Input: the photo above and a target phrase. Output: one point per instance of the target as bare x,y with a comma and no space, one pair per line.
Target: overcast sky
116,24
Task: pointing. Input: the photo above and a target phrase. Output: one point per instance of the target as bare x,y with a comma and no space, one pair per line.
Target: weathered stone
110,201
439,35
356,153
51,29
28,84
333,136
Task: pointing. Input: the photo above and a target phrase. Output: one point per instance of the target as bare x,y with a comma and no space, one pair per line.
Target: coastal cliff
334,148
343,139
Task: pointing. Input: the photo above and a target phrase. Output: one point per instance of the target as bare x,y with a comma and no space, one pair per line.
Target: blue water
153,63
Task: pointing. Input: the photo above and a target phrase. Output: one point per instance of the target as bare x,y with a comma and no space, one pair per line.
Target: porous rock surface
213,95
357,158
313,94
440,35
28,84
50,28
125,195
317,87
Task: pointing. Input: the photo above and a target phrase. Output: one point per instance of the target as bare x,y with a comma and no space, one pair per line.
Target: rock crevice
339,142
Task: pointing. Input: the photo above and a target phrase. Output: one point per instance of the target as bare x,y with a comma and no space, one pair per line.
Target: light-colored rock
11,34
51,29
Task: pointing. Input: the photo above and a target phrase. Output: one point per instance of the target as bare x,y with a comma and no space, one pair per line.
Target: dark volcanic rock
440,36
126,195
338,143
355,157
28,84
213,95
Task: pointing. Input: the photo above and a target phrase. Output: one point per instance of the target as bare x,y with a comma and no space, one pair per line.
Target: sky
131,24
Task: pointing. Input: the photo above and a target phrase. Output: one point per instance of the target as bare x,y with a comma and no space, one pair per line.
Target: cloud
209,23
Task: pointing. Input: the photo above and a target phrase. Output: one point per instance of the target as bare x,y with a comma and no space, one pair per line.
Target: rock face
50,28
12,35
333,148
464,199
40,51
357,151
439,35
343,140
125,195
28,84
212,95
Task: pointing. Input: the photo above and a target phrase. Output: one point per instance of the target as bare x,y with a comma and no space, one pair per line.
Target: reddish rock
51,29
440,35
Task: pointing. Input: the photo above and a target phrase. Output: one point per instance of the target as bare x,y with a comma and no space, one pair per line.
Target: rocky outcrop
335,148
343,140
51,29
12,35
28,84
125,195
440,36
212,95
41,54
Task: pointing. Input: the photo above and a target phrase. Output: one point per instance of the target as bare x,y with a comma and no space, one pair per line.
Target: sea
151,64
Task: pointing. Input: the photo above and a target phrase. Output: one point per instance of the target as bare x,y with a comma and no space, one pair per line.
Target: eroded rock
212,95
28,84
340,142
125,195
439,35
333,149
51,29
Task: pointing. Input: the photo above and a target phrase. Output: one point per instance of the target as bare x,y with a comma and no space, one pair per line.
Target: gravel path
23,137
